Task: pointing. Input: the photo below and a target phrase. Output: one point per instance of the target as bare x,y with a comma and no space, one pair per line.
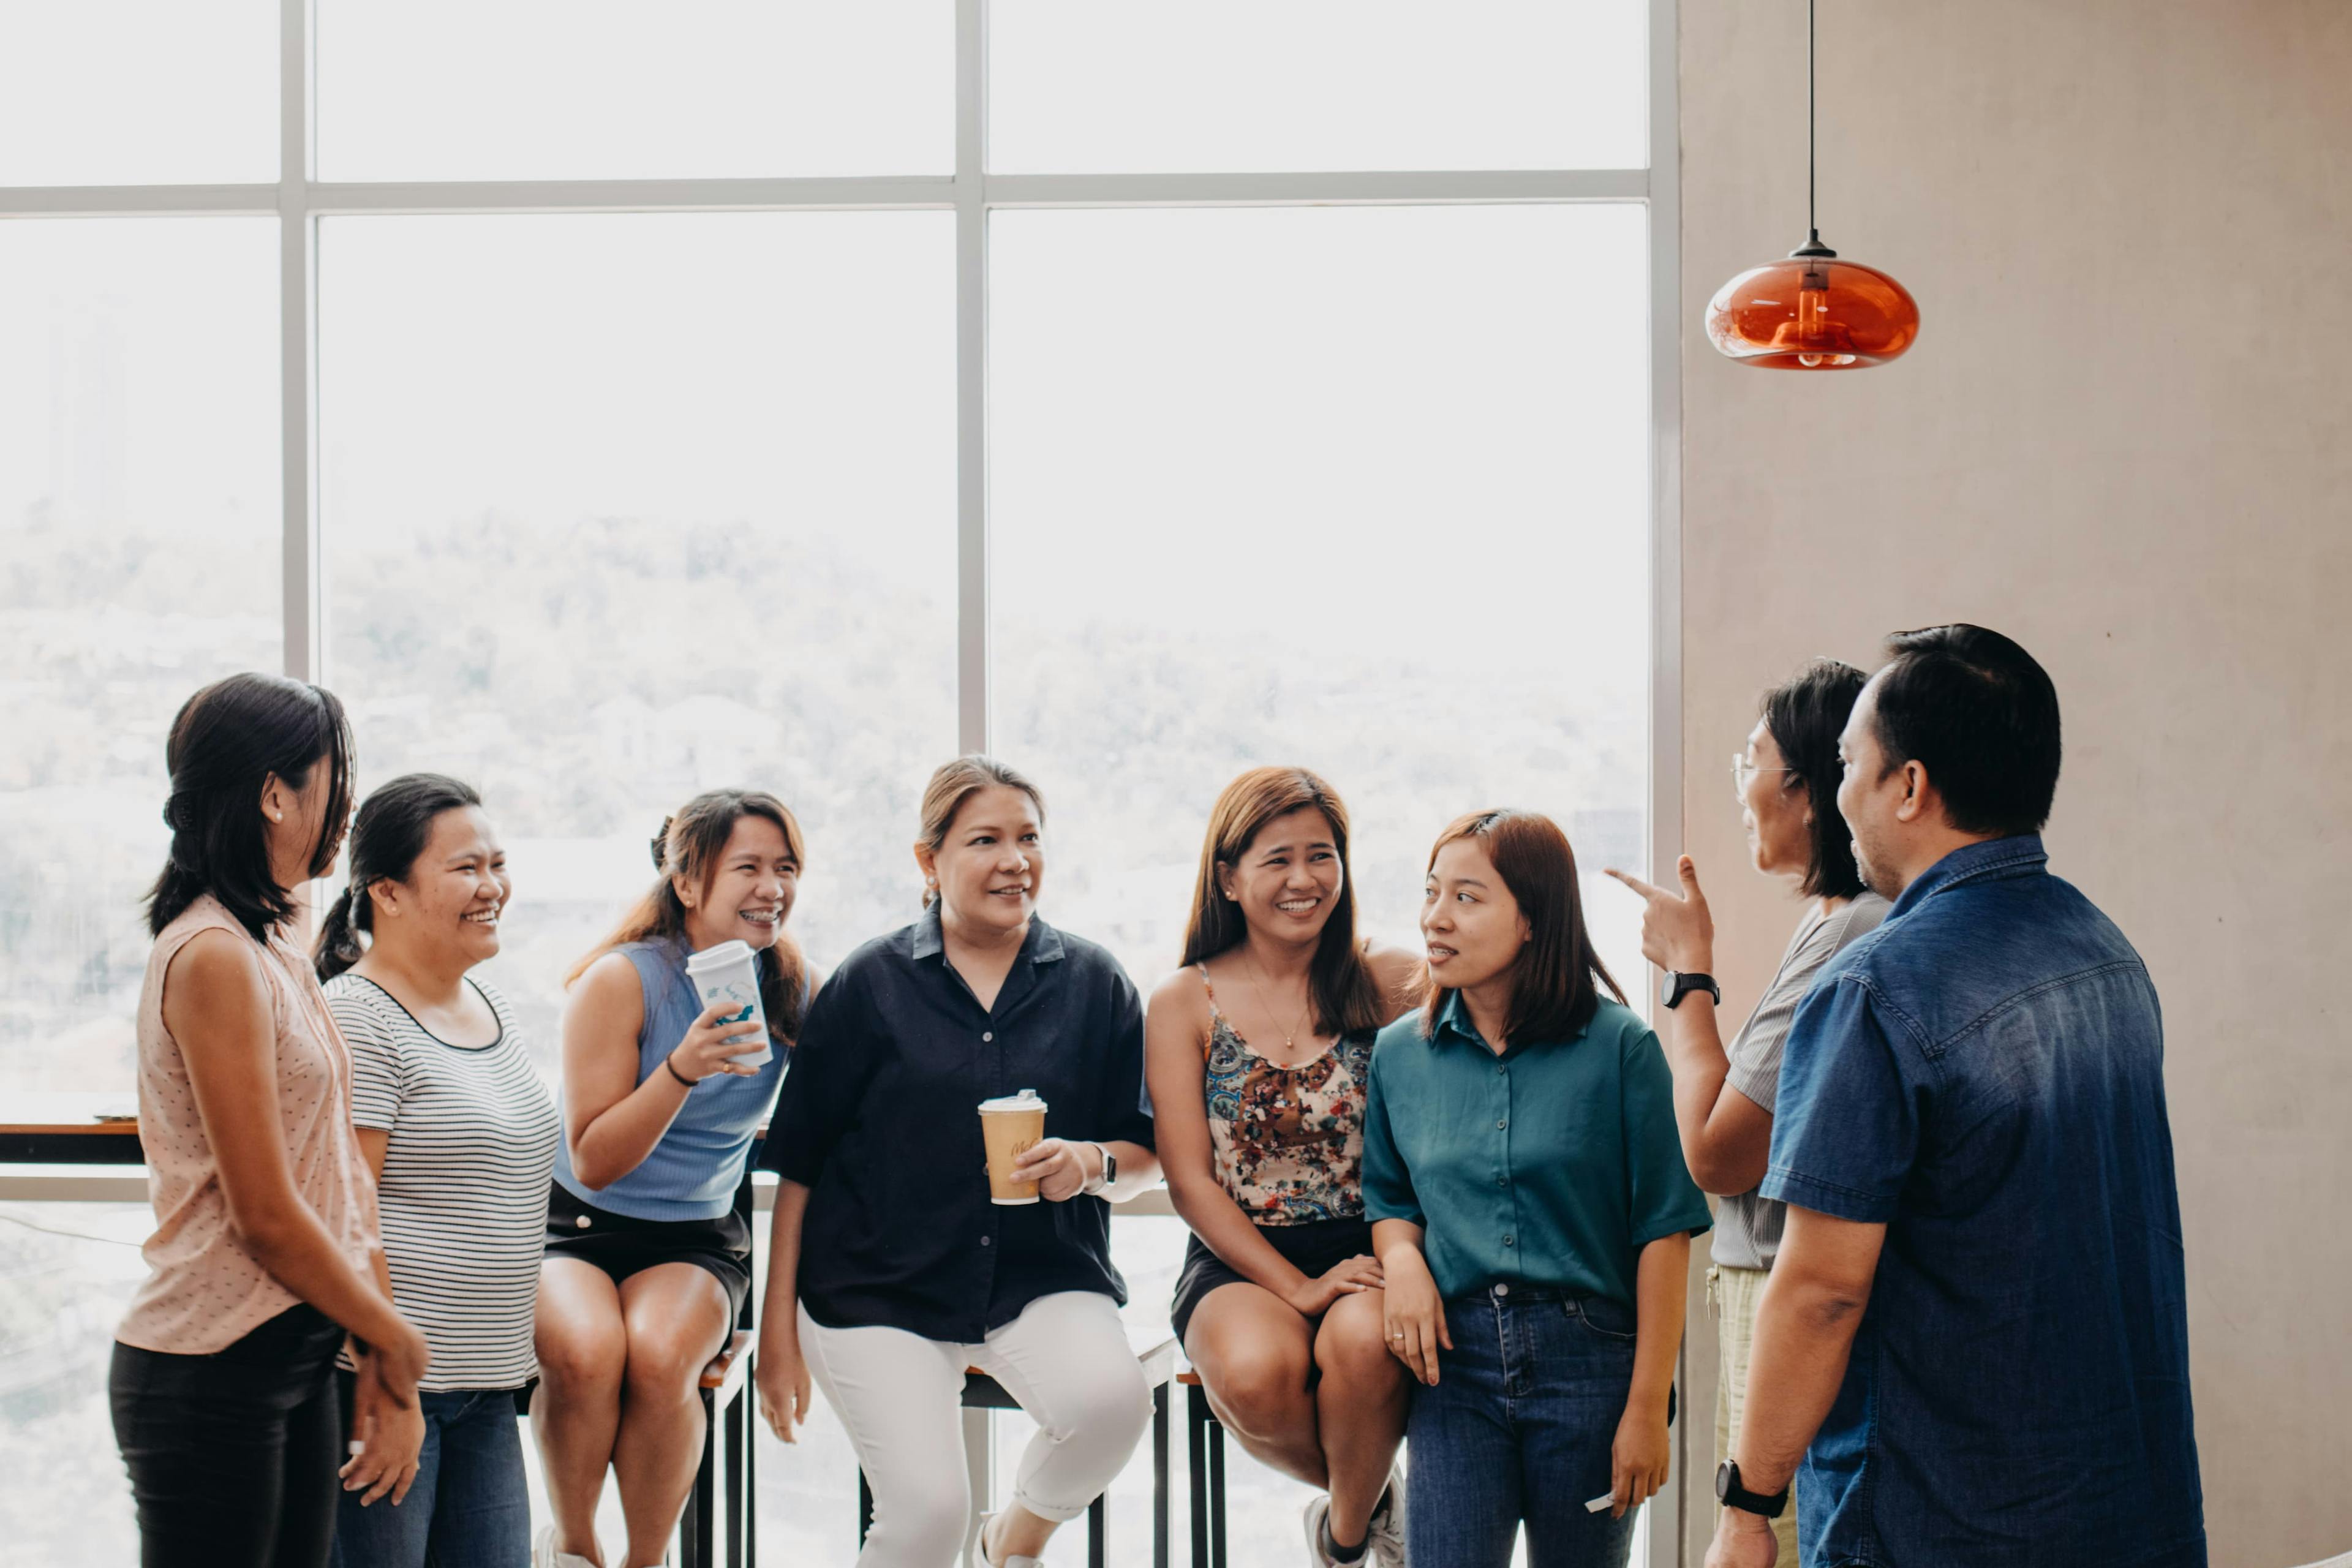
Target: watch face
1666,988
1727,1476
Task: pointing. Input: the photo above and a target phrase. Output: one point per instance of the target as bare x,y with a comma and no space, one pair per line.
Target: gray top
1747,1227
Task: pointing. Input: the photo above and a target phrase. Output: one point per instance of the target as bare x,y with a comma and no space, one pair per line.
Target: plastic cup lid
1026,1101
718,957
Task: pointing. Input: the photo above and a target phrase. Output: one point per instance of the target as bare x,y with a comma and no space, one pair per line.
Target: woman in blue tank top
648,1264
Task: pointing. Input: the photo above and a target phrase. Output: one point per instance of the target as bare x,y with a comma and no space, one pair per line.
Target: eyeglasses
1740,770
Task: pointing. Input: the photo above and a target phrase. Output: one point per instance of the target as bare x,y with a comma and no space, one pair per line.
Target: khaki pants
1732,1294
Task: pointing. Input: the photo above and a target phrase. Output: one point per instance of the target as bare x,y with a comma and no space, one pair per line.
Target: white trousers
1065,1359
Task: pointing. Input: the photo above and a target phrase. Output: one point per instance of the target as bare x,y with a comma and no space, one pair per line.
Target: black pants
233,1455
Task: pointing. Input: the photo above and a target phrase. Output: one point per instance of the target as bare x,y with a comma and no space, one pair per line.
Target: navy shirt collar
1994,859
1042,945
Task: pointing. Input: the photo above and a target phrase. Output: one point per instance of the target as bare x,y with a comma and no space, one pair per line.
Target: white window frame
299,200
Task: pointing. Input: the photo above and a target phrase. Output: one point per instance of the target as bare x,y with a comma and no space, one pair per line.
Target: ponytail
687,847
338,934
392,830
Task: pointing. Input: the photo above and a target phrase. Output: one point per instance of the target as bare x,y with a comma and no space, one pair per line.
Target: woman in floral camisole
1259,1051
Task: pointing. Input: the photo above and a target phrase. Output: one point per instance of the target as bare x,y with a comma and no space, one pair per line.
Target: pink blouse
207,1292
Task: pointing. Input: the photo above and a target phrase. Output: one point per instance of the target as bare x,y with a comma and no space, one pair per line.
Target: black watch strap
1731,1494
1677,985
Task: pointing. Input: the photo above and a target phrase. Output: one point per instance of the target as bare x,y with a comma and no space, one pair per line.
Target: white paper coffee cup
729,973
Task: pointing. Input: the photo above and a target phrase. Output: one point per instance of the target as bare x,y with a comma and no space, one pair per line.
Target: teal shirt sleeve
1664,1198
1387,1185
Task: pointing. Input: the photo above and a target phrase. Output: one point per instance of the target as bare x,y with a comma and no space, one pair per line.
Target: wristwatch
1678,985
1109,1173
1731,1494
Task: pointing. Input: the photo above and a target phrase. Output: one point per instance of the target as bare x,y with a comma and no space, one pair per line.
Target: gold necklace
1257,984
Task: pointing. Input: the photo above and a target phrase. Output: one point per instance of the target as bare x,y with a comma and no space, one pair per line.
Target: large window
138,500
620,507
609,404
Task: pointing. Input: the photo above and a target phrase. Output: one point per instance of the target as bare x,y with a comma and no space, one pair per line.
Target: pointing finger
1636,883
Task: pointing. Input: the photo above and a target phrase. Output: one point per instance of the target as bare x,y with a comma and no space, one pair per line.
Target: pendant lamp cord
1812,223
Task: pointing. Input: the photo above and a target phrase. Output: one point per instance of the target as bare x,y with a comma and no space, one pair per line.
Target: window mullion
298,276
972,376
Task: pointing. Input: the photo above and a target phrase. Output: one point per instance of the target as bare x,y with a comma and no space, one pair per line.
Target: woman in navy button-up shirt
890,1270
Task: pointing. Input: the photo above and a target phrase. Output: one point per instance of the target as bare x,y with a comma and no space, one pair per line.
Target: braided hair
228,742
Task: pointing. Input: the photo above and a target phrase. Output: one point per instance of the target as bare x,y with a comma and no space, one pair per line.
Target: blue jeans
1518,1431
470,1505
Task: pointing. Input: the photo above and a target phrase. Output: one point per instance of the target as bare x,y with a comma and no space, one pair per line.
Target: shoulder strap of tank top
1217,1015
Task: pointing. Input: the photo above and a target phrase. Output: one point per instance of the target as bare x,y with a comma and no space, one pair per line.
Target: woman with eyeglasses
1787,784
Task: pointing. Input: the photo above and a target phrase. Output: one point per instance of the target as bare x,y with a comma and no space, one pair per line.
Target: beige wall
2125,437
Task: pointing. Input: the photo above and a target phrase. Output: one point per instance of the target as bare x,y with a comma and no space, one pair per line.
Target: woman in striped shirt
461,1134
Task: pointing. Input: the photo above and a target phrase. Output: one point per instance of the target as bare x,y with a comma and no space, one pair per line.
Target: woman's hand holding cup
712,1045
1060,1168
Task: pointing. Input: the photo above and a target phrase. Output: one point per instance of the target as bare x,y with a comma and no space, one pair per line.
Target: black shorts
621,1245
1314,1247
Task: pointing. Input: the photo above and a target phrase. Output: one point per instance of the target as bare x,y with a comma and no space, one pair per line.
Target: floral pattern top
1288,1142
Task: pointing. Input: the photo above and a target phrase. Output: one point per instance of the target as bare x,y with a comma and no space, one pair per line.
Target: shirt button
985,1240
1500,1125
987,1037
1507,1241
1501,1180
580,1223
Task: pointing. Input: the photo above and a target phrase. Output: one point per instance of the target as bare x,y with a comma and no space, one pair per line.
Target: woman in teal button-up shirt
1532,1215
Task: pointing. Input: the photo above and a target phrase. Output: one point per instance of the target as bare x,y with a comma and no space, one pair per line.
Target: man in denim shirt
1975,1337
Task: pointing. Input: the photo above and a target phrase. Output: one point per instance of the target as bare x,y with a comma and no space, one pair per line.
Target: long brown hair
1557,988
1347,997
954,783
688,846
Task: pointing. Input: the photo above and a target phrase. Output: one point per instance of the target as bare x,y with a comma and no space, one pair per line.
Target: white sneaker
543,1554
1317,1521
978,1557
1384,1542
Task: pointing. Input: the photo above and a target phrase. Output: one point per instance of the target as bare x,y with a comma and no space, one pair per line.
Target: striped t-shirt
1747,1227
464,1194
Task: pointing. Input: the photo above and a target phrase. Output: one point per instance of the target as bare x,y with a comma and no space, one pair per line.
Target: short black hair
1805,715
228,738
1981,716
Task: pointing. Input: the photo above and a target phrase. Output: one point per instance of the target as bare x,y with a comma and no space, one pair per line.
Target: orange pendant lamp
1813,311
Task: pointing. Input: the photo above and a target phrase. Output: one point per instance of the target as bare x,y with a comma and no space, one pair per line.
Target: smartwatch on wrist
1109,1171
1731,1494
1678,985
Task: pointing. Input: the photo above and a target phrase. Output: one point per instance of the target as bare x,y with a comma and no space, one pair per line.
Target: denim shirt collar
1995,859
1042,945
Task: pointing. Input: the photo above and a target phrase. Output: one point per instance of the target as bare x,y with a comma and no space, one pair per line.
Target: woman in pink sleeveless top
265,1249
